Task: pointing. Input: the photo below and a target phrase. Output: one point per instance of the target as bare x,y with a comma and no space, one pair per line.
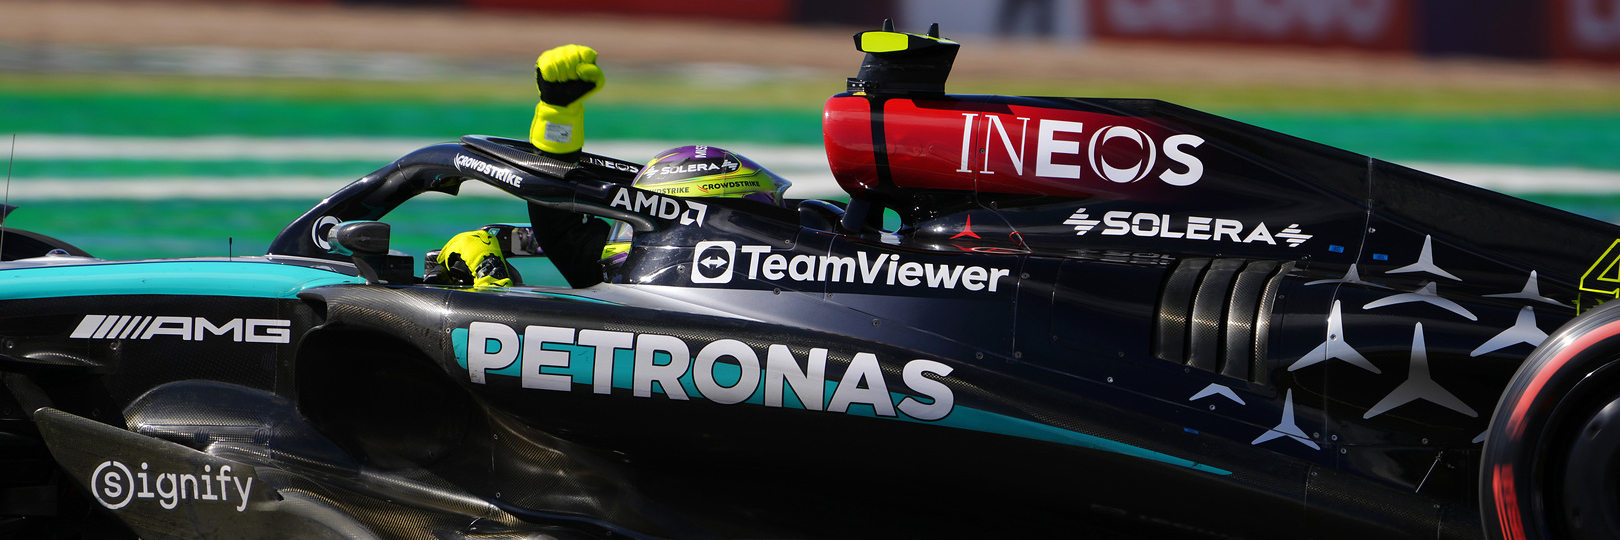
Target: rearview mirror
358,240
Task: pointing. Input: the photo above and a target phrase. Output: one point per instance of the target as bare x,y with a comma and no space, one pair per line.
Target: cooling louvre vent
1214,314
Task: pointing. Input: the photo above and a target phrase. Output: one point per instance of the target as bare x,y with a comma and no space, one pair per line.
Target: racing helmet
698,171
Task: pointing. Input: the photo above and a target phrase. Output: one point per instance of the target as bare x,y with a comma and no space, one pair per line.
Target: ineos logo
1099,141
1059,154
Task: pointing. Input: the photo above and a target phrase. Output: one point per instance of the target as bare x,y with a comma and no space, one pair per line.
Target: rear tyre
1551,462
1590,494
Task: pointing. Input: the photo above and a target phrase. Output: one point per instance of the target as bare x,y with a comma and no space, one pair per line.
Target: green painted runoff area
1567,128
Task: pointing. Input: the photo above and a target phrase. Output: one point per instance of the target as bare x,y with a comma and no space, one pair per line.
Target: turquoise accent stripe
458,346
581,360
189,278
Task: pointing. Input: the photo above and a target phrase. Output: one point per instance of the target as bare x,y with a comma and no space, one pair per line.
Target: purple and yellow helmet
699,171
708,171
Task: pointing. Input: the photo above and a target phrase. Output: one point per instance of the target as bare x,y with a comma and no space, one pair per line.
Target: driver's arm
573,242
565,76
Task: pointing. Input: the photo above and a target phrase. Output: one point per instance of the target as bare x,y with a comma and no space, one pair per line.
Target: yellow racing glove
565,76
472,258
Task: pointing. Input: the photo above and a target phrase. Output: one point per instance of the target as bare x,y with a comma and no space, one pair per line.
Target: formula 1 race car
1107,317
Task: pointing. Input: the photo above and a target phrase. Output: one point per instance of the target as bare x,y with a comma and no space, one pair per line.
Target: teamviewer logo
711,261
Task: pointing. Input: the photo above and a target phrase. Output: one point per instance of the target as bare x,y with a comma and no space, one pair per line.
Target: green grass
34,108
120,230
208,228
800,93
1576,128
135,170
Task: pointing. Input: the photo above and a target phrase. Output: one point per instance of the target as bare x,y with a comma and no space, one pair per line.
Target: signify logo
714,262
186,328
725,371
114,485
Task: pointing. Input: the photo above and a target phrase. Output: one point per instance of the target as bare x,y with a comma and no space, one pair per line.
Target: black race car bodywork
1099,315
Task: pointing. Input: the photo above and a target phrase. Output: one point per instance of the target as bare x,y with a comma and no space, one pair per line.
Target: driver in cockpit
583,247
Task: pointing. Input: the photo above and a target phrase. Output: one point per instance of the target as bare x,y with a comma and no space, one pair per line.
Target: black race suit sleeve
572,241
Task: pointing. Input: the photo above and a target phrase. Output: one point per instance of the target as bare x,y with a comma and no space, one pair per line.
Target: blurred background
199,128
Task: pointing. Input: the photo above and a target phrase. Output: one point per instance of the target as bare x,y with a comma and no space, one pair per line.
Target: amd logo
1119,154
653,204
